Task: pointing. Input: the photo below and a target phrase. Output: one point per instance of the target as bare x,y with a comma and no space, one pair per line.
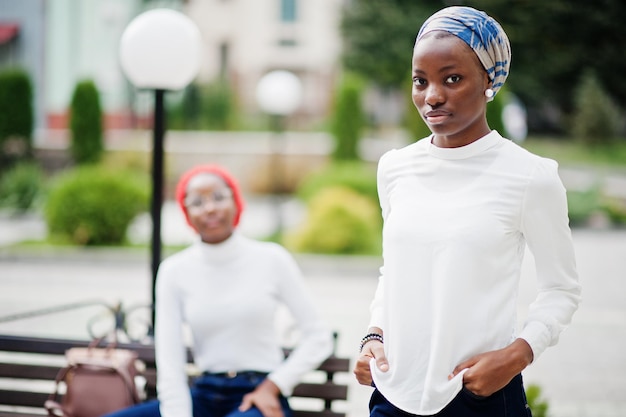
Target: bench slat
323,391
323,413
335,364
26,344
20,414
25,371
27,399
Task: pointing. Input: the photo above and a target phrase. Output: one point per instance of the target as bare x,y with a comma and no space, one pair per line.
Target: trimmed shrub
92,206
582,204
596,118
348,119
16,115
538,406
218,110
339,221
21,186
86,123
354,175
616,210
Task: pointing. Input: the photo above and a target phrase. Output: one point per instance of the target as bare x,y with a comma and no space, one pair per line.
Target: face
449,86
210,207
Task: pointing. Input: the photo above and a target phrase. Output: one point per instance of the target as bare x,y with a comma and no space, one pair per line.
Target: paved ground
583,376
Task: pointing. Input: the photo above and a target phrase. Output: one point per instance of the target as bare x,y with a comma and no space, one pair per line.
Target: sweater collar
221,253
467,151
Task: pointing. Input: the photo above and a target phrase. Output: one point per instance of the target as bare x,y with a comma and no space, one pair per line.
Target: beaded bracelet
368,338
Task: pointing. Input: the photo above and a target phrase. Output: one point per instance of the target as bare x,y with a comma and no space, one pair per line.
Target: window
288,10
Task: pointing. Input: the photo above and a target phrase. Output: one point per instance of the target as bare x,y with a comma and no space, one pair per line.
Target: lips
436,116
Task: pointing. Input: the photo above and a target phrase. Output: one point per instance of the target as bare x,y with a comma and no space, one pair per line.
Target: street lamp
279,94
160,50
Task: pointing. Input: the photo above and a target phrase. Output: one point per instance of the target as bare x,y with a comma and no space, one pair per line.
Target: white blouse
456,224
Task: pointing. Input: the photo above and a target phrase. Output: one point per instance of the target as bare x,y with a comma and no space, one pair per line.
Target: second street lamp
279,94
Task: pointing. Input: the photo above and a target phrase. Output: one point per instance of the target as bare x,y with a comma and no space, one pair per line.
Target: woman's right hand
372,349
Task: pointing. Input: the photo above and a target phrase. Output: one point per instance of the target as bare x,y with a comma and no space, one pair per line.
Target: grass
570,152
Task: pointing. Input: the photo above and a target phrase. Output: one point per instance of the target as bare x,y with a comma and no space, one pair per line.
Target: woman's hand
488,372
265,398
372,349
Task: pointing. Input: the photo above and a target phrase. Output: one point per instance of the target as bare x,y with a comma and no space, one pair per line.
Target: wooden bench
29,365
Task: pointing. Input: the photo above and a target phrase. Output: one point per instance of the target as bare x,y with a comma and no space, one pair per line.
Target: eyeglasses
199,201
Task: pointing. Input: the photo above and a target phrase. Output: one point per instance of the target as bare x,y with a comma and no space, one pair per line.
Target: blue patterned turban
481,32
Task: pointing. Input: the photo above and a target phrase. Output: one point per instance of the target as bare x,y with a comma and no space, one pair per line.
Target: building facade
62,42
245,39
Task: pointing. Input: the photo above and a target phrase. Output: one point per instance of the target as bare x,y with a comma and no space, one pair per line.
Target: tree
552,42
348,119
86,123
16,115
379,36
596,120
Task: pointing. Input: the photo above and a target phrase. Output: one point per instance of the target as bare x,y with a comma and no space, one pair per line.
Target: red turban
181,187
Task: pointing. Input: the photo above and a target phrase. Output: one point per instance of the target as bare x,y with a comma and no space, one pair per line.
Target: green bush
582,204
616,210
86,123
596,118
339,221
355,175
21,186
348,119
16,115
92,206
538,406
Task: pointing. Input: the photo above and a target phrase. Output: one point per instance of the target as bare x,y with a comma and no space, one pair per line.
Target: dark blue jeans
510,401
212,396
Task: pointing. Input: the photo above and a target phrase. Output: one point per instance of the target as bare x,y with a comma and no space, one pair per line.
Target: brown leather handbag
97,381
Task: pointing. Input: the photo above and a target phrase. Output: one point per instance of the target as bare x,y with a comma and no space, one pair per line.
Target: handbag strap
52,404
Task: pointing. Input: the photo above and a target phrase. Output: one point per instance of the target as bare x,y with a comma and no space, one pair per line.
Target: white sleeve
315,343
545,226
376,306
172,383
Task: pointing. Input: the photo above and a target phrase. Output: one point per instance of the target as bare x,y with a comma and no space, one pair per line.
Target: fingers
381,363
246,403
267,403
362,370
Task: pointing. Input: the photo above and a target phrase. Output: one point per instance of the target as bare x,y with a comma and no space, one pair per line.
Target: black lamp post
157,186
159,51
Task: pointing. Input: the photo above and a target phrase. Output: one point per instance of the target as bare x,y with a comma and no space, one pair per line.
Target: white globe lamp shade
279,93
160,49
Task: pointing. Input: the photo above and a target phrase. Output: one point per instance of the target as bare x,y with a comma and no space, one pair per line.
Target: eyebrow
447,68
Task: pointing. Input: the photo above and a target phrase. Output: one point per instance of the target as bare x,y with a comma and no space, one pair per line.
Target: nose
434,95
209,204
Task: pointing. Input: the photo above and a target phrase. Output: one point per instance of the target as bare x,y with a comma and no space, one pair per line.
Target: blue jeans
510,401
212,396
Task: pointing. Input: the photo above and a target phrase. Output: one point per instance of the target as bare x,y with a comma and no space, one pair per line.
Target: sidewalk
583,376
